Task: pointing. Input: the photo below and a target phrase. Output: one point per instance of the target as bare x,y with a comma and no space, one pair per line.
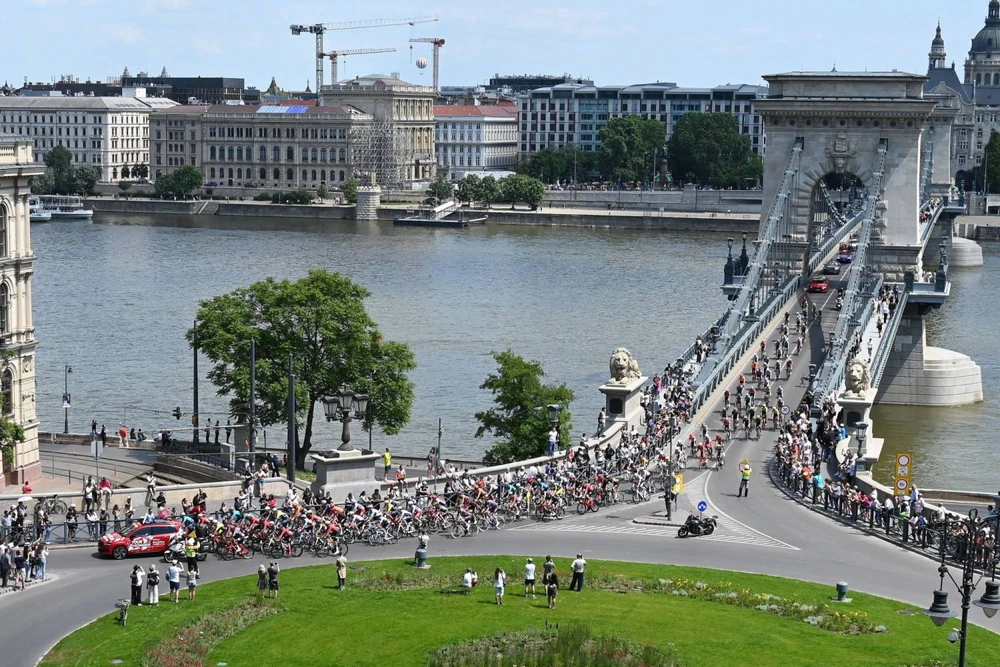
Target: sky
698,43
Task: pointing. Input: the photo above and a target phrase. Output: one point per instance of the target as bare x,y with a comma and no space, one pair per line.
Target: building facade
475,139
975,96
110,134
17,329
571,113
261,146
398,145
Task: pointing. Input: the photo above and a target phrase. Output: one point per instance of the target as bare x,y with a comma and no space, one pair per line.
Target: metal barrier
881,358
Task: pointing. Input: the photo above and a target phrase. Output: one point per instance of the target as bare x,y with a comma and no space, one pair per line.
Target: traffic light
176,413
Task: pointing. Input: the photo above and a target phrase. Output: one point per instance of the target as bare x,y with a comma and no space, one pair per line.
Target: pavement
765,533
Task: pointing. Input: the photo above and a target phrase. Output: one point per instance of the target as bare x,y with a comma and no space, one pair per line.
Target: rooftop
86,103
476,110
295,110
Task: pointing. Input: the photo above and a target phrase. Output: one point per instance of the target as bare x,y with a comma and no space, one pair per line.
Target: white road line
738,526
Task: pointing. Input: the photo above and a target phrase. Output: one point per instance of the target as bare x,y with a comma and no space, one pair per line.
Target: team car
139,539
820,285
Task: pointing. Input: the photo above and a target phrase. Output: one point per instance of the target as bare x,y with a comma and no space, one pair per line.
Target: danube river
113,299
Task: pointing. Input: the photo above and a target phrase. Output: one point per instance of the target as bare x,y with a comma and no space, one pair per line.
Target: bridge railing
881,358
925,227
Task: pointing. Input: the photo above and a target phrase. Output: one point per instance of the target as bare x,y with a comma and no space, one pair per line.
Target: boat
36,211
439,216
65,207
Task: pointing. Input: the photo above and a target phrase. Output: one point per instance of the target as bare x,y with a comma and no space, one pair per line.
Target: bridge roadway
767,533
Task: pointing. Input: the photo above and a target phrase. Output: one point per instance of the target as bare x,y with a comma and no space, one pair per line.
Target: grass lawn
395,620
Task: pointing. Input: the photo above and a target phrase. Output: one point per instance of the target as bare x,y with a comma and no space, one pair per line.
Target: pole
670,476
437,458
252,437
292,431
65,398
194,385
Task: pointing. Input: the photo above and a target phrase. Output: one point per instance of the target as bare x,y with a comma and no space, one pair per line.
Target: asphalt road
766,533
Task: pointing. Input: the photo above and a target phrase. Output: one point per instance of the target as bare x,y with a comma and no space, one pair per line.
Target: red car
821,285
139,539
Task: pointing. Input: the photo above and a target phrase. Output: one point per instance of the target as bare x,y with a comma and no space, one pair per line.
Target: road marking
749,539
738,527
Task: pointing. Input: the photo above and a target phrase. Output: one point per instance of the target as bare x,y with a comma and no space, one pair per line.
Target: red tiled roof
475,110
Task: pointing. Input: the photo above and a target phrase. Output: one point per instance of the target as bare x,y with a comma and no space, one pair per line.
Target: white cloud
125,32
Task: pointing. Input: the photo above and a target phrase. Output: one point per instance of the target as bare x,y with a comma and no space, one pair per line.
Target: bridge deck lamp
939,611
990,602
862,434
554,411
344,406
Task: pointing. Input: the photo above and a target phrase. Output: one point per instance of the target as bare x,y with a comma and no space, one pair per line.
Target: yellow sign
901,480
679,483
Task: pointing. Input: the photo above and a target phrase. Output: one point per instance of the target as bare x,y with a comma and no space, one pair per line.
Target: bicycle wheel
560,512
57,507
344,547
246,552
296,549
457,530
581,508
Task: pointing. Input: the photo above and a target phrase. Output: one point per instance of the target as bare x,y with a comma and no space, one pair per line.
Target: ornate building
17,329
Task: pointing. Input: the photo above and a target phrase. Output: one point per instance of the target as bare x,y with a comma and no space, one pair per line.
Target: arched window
290,154
3,231
114,173
211,153
4,308
263,153
289,174
322,155
7,386
978,80
211,172
341,174
322,175
239,153
230,172
239,173
275,153
313,154
248,152
314,174
305,175
277,175
340,155
263,174
996,79
229,153
305,154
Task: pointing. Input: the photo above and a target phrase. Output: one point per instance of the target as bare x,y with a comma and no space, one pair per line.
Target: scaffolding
382,149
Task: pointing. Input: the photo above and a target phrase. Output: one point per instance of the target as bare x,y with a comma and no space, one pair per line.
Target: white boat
36,211
65,207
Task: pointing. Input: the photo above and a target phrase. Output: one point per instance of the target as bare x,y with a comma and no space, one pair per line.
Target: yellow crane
438,43
319,29
335,55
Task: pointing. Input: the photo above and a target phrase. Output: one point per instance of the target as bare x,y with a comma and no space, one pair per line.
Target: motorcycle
175,550
840,304
695,526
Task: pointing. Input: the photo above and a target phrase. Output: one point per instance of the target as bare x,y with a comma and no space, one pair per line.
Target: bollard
842,588
420,556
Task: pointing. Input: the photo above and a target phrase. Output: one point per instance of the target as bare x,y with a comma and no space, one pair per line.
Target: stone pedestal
965,253
344,467
369,199
622,401
857,408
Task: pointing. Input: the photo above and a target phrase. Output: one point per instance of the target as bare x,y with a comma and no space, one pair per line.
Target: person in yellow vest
387,463
191,548
745,472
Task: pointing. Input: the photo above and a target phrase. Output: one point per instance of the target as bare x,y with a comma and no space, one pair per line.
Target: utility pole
66,397
194,416
252,426
292,431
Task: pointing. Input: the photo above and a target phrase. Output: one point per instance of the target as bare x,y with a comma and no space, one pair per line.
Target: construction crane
334,55
438,43
319,28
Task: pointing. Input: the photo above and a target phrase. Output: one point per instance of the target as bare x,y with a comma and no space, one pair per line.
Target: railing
881,358
932,218
925,537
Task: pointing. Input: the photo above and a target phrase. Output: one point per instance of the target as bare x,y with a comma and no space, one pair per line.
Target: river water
113,299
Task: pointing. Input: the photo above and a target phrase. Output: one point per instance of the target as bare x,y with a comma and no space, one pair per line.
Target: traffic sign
678,482
904,466
702,506
785,409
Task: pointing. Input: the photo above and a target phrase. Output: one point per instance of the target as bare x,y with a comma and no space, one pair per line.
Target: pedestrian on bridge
745,472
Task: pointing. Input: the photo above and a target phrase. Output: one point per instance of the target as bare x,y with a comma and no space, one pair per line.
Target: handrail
881,358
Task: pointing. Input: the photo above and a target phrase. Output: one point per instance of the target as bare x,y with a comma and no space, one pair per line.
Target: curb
648,522
74,545
31,583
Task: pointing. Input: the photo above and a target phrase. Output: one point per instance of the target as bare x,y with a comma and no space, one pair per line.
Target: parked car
139,539
832,269
819,285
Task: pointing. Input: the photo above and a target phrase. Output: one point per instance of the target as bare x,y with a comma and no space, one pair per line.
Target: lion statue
858,379
624,368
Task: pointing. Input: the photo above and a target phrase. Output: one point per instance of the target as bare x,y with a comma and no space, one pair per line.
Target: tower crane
319,29
334,55
438,43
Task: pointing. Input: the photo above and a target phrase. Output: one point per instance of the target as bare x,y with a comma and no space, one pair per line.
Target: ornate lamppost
345,406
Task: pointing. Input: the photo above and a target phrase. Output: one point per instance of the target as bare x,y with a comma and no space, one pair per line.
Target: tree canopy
181,183
631,148
708,149
519,418
566,164
441,188
62,178
520,188
350,190
992,163
321,321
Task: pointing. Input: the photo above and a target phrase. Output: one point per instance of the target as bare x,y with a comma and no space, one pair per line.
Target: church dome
988,38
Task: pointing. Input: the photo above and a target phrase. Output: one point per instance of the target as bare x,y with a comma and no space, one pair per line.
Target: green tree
321,321
322,192
992,163
59,164
140,171
164,185
546,165
469,189
187,180
350,189
630,148
11,433
519,187
84,180
519,418
124,186
580,164
489,190
44,184
441,188
709,149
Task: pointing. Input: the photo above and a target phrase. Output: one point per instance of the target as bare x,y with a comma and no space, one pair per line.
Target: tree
518,187
321,321
124,186
44,184
126,172
85,178
322,192
546,165
59,163
630,148
187,180
140,171
350,189
709,149
519,418
441,188
489,190
992,163
11,433
469,189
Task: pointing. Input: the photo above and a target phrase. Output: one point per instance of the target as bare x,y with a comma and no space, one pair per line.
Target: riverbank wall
645,220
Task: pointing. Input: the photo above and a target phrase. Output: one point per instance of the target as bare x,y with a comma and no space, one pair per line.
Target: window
341,155
8,395
290,156
263,154
305,175
322,155
322,175
211,172
211,152
4,307
314,174
239,173
289,174
3,233
341,174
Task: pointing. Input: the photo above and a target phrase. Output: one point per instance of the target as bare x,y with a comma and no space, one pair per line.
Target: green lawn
400,618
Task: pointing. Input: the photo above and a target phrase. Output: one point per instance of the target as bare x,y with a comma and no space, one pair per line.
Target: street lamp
66,397
554,410
668,492
344,406
966,533
862,435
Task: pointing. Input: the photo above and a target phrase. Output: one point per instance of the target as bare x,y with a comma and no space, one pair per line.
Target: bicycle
54,506
123,606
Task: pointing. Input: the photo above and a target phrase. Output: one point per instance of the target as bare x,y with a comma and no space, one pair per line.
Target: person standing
93,429
553,441
577,566
88,494
6,563
208,430
499,583
272,579
745,472
153,585
217,431
191,548
192,577
229,430
42,558
104,436
150,490
602,420
136,581
548,568
105,489
102,522
387,464
342,571
122,437
529,578
174,581
261,581
552,589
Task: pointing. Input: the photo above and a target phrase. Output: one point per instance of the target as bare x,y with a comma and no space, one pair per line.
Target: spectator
341,571
262,580
529,578
153,585
499,584
136,581
192,577
578,566
174,581
272,579
552,589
